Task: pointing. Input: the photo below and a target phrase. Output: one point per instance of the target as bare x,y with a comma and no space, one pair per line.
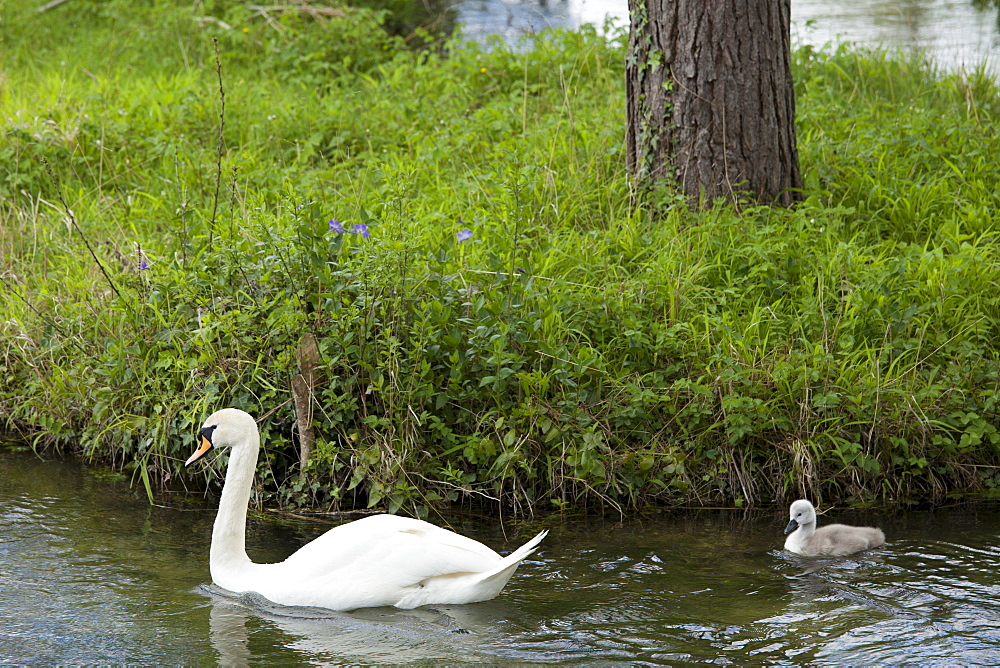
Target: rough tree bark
710,100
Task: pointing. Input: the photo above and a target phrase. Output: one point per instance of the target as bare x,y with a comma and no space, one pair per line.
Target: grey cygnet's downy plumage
832,540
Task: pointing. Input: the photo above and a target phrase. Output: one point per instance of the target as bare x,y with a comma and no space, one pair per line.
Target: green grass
588,346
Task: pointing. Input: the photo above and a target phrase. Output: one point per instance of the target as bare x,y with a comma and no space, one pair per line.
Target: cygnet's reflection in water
453,633
816,576
845,578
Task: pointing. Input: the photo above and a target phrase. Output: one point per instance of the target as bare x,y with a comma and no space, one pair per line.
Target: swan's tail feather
469,587
512,560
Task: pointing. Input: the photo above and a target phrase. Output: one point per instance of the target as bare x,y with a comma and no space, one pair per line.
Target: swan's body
377,561
833,540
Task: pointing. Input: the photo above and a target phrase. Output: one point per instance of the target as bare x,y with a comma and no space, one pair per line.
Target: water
956,33
90,573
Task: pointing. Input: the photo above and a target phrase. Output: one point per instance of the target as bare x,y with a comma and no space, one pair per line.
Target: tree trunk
711,106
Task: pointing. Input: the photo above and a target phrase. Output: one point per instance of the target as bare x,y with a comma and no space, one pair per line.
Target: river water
955,33
91,573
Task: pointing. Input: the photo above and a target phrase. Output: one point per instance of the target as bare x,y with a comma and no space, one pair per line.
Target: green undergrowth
516,326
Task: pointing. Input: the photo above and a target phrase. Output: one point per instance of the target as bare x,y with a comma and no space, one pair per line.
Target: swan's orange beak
205,446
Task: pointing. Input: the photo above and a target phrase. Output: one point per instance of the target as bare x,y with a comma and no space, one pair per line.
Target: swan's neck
798,538
228,558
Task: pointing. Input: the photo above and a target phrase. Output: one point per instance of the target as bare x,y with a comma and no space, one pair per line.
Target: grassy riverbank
583,346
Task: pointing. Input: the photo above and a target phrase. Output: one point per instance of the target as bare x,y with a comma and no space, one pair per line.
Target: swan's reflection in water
453,633
227,624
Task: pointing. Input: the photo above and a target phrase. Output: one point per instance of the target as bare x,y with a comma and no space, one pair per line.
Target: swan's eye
206,432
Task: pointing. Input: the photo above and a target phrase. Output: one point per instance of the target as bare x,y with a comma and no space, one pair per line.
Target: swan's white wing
402,549
380,560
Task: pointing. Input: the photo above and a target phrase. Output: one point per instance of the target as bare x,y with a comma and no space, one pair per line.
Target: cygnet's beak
205,446
792,526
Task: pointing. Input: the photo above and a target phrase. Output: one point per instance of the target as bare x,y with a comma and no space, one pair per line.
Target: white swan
833,540
380,560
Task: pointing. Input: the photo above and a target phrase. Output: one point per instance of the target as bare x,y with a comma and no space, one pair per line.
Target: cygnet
833,540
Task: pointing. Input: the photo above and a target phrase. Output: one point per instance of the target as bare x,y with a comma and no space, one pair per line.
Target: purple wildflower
335,226
362,229
465,235
143,265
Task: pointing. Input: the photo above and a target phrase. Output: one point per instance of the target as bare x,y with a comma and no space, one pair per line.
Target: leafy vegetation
500,318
